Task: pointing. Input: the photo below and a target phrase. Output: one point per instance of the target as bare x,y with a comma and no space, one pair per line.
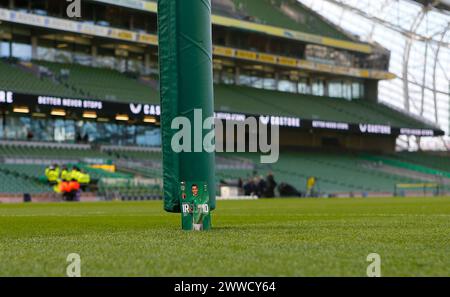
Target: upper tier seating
103,84
111,85
288,14
251,100
15,79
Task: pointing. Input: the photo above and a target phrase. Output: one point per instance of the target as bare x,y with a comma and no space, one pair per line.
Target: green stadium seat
102,83
250,100
110,85
19,80
435,161
335,172
14,184
270,12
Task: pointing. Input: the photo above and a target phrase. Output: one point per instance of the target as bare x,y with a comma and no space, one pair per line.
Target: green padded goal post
186,85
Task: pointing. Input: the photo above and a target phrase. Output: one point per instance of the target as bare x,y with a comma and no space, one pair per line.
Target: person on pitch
310,186
52,174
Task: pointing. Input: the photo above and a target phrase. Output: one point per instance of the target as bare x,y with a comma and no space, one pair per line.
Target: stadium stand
335,172
410,165
251,100
11,183
439,162
111,85
134,154
101,83
26,161
138,171
288,14
125,190
43,150
30,171
21,80
227,8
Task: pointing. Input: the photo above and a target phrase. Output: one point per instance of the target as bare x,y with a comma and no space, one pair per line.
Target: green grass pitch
283,237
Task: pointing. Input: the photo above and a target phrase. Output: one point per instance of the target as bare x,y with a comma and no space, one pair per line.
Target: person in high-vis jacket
74,190
57,188
65,190
74,173
310,186
65,173
52,173
84,179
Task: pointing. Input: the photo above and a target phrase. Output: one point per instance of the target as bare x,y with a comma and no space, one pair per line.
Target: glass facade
73,48
71,131
17,50
345,88
63,52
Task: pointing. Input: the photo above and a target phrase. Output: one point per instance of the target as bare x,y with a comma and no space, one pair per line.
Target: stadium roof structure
439,4
280,18
288,14
418,35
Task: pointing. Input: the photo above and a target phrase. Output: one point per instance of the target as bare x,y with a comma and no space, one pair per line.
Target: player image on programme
195,206
201,206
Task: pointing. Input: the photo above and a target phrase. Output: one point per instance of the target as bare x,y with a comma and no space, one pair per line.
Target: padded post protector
186,83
